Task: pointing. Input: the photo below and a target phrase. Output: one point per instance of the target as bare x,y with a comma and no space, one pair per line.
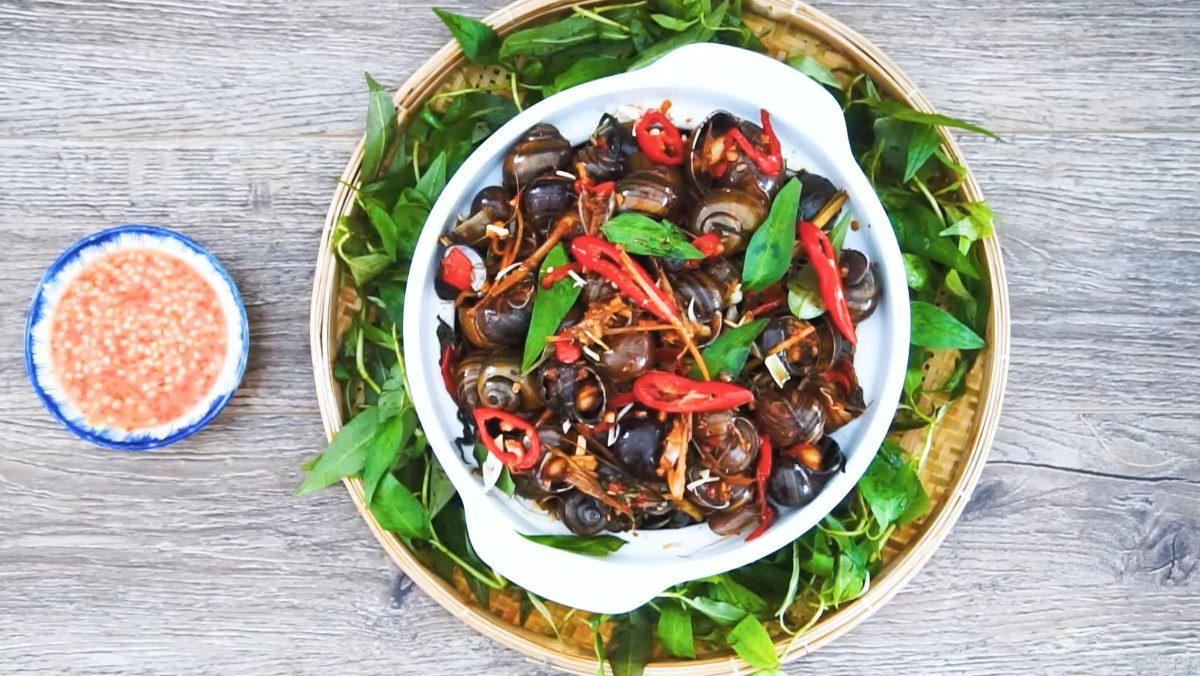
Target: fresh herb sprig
404,169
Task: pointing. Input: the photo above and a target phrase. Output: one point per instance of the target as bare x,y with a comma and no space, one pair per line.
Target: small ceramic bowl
697,80
64,269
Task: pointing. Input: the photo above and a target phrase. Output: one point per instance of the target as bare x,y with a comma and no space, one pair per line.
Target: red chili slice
671,393
659,138
762,474
457,269
508,423
709,244
829,277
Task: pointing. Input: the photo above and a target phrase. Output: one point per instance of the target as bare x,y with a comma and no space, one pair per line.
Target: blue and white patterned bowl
56,279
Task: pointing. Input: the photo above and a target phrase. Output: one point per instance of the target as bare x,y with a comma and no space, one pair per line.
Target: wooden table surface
227,120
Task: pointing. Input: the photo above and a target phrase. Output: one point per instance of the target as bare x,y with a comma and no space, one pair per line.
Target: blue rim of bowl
37,309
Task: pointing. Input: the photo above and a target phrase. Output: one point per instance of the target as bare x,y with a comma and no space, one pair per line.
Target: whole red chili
672,393
508,423
709,244
762,474
591,251
829,277
659,138
769,162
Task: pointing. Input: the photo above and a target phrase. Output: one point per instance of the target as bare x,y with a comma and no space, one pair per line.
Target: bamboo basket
950,470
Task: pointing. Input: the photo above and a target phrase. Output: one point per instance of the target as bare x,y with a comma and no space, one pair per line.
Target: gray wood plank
283,68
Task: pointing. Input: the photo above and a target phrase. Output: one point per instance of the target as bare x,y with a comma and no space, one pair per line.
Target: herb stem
598,18
491,582
362,368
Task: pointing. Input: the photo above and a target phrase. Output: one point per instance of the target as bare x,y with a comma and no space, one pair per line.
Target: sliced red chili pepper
558,274
672,393
829,277
659,138
620,401
762,474
508,423
600,189
567,351
709,244
449,361
591,251
769,162
842,374
457,269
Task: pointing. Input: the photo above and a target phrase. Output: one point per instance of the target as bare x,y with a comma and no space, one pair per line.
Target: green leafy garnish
397,509
631,644
644,236
936,328
892,488
815,70
594,545
753,644
804,294
345,455
674,631
727,354
381,128
770,250
477,39
549,307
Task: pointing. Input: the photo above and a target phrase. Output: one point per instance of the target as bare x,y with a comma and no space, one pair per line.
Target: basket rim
935,527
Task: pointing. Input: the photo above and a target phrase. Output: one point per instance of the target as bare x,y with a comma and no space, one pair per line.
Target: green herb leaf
585,70
477,39
916,271
398,510
892,488
804,294
815,70
922,145
433,180
381,128
722,613
383,450
675,631
750,640
595,545
727,354
382,221
700,32
550,39
900,111
671,23
366,267
724,588
917,229
630,646
644,236
441,491
345,455
770,250
549,307
973,221
841,227
934,327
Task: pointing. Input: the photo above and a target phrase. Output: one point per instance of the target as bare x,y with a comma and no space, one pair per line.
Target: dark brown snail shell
491,205
815,192
541,150
732,214
639,446
707,147
732,522
598,163
629,355
501,320
716,494
861,287
656,191
583,514
789,416
545,199
840,407
794,483
495,380
705,294
574,392
731,440
813,347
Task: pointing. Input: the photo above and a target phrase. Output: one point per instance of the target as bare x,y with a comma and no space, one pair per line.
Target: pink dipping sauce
137,339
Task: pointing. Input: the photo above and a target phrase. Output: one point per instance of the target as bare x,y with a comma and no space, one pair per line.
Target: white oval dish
697,79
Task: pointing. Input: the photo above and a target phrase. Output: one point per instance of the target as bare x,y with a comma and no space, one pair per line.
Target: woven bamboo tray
950,470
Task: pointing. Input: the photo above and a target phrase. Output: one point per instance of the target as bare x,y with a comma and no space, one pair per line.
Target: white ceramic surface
697,79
